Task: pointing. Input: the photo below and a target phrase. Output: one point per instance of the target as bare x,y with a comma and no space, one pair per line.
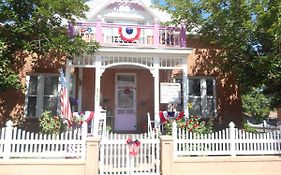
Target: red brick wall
228,98
12,101
88,89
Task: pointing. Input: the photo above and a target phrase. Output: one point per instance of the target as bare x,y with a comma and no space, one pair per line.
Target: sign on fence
170,93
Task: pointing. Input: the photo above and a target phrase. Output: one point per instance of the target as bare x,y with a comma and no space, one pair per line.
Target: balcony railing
149,35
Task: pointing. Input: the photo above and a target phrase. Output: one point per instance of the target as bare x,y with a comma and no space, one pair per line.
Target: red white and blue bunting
165,116
129,34
86,30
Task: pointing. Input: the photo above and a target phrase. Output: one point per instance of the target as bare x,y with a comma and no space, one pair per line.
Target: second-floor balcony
148,36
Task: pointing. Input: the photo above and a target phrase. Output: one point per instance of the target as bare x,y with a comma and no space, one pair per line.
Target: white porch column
98,115
97,96
156,65
185,87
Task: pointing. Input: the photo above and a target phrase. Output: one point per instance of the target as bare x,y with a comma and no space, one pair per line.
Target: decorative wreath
129,34
133,146
127,91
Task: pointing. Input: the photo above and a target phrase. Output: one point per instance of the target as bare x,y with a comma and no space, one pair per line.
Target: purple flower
73,101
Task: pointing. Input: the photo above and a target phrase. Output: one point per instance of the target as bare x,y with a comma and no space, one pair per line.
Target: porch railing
18,143
150,35
230,141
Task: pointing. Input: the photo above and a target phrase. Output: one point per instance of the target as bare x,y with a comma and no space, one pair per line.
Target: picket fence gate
18,143
230,141
115,157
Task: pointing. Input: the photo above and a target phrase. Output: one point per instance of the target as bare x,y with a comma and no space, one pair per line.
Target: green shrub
249,128
256,104
192,124
50,124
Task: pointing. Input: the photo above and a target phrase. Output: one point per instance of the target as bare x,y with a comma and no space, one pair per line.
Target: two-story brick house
139,67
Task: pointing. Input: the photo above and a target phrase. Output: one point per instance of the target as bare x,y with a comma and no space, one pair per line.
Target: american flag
64,100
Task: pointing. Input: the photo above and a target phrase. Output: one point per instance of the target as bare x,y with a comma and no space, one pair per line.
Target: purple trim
92,24
70,30
183,36
99,31
156,35
131,5
161,37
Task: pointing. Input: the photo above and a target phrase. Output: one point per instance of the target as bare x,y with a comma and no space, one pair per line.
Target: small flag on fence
64,100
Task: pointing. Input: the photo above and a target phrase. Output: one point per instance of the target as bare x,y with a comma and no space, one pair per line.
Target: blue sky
162,1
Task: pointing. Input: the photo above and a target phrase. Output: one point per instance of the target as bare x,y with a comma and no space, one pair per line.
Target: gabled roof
96,7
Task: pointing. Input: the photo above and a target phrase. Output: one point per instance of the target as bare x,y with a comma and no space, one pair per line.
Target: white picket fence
230,141
116,159
18,143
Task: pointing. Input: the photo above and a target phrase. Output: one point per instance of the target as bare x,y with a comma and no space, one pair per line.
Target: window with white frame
202,96
42,94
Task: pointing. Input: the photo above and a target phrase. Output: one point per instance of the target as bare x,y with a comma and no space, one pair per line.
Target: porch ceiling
145,57
142,51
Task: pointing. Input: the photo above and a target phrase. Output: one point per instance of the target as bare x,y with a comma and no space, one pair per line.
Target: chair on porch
151,125
89,117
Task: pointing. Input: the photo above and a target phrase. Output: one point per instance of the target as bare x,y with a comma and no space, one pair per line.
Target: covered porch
119,77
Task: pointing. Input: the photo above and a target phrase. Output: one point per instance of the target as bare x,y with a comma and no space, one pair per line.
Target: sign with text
170,93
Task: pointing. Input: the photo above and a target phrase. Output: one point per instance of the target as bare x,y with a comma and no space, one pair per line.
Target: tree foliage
256,104
39,26
248,33
8,77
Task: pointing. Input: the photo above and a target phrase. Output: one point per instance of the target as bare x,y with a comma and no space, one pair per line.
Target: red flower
180,116
162,118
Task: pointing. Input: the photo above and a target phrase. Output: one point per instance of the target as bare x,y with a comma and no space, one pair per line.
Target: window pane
194,87
210,107
31,107
195,106
51,86
125,98
126,78
210,87
50,104
32,89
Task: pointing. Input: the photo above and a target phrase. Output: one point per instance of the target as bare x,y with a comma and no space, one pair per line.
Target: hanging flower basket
133,146
129,34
